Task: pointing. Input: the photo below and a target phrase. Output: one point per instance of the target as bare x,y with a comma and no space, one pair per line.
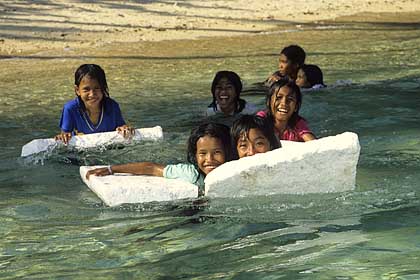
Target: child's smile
225,94
283,104
90,92
210,153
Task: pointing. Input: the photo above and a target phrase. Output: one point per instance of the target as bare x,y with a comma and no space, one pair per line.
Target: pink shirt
294,134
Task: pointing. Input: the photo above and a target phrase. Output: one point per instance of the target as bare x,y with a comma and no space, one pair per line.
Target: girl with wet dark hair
283,103
92,110
209,146
252,135
310,77
226,90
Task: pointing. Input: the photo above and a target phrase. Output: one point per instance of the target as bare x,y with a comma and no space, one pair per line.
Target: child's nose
251,150
209,156
283,101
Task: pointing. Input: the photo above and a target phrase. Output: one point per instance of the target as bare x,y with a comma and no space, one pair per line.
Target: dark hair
313,74
236,81
275,87
92,71
211,129
246,122
295,54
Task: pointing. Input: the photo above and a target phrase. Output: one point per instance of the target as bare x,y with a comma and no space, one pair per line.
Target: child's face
225,94
286,67
210,153
253,143
90,92
301,80
283,104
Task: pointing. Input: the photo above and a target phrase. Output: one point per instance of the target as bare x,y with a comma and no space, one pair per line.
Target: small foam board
319,166
93,140
117,189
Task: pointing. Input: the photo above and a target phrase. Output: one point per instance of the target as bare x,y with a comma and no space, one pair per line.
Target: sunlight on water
52,224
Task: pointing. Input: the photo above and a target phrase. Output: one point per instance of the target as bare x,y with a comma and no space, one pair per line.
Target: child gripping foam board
209,146
252,135
92,110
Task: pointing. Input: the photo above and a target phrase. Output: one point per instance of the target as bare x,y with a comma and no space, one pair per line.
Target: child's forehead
284,90
244,134
88,78
224,80
207,139
283,57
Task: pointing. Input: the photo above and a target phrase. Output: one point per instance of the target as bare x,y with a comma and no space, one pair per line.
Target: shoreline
29,28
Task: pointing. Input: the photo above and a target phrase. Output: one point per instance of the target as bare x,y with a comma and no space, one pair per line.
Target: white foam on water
117,189
93,140
320,166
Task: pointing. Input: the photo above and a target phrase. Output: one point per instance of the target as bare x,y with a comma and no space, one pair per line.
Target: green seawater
53,226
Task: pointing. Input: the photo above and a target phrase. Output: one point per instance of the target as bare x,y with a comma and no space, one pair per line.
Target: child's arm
137,168
272,79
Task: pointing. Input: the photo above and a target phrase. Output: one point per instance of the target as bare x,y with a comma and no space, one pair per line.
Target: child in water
283,104
209,146
92,110
226,90
253,135
291,59
310,77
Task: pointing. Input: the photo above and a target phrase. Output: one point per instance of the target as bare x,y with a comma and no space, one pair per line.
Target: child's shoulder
74,103
109,100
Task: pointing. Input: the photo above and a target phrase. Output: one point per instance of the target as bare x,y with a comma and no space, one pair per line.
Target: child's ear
76,90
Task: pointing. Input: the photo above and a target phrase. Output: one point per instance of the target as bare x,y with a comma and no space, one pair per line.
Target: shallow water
52,226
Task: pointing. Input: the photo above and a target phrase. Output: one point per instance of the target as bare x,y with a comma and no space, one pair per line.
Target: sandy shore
28,27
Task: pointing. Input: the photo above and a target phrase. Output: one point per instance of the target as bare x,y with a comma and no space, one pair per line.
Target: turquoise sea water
52,226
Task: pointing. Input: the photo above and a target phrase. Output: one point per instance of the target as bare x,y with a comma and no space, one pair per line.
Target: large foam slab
320,166
92,140
117,189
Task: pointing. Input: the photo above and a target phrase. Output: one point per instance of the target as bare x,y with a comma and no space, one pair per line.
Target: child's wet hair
275,87
295,54
211,129
247,122
236,82
93,71
313,74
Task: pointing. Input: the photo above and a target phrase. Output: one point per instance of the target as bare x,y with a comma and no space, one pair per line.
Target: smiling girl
209,146
253,135
226,90
92,110
283,104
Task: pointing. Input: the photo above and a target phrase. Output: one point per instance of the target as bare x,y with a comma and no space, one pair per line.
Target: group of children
210,144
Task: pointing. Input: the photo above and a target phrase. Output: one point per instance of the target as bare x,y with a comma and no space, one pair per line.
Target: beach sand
34,28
